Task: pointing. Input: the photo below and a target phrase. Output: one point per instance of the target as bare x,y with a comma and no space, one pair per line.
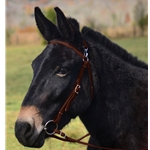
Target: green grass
18,78
19,73
136,46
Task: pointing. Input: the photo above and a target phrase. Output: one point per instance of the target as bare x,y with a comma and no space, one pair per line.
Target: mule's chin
34,141
39,141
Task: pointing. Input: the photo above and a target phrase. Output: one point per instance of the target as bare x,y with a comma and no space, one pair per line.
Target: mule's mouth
28,127
29,135
39,141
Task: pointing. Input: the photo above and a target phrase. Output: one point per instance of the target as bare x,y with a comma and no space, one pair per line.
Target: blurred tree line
141,16
50,14
139,12
140,19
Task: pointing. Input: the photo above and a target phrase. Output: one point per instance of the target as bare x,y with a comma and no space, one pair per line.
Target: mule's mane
100,39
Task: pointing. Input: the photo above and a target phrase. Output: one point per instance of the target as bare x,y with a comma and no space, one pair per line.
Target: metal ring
45,127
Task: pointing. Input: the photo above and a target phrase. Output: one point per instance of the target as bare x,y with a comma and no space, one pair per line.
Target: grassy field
18,78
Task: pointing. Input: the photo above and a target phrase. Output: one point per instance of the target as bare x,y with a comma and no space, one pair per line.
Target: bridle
73,94
86,65
77,86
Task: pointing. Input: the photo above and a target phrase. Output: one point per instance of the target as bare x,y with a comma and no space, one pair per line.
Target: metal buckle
86,54
62,134
45,127
76,88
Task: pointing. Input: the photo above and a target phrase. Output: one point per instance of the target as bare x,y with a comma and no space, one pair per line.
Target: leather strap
73,94
77,85
69,46
65,138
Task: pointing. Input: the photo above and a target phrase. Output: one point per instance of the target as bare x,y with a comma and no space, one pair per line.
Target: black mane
100,39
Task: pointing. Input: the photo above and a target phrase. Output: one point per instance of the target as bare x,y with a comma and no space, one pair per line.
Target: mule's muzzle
23,129
28,127
28,135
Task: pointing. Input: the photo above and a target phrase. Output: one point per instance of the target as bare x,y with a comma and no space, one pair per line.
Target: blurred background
125,22
114,18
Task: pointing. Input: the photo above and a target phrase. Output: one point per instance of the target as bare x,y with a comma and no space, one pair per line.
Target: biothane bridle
86,65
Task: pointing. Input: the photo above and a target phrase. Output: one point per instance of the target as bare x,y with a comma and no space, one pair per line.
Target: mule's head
55,72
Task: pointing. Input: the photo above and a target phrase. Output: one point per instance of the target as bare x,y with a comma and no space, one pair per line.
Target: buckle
77,89
62,134
86,54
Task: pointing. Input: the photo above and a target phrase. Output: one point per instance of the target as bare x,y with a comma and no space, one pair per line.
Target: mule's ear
46,27
74,23
64,25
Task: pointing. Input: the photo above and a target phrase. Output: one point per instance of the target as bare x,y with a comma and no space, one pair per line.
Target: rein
86,65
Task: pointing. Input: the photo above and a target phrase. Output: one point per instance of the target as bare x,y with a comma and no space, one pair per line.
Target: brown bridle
77,86
86,65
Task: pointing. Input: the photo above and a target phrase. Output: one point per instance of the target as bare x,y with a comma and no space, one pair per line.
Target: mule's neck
113,104
99,39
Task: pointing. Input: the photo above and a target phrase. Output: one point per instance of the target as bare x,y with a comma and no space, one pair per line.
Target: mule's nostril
28,130
24,129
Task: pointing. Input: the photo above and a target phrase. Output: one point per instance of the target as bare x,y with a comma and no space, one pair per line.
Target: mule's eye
62,72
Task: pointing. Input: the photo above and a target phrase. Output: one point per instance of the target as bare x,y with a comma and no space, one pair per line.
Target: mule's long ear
46,27
64,25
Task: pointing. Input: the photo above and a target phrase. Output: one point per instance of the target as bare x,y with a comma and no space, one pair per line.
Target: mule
115,114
